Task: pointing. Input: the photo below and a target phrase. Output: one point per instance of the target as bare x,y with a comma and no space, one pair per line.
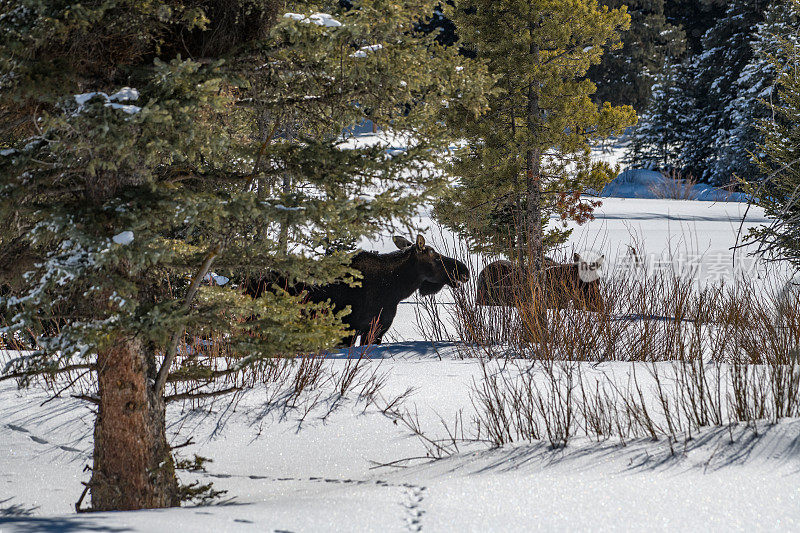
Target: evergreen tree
735,146
625,76
442,26
657,140
780,157
528,157
715,74
146,143
695,18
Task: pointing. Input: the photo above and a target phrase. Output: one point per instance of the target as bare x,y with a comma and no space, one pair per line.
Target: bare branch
198,395
171,352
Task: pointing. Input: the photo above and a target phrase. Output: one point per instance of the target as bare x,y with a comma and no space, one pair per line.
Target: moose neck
402,275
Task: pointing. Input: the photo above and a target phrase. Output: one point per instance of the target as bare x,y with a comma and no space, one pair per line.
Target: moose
386,280
501,283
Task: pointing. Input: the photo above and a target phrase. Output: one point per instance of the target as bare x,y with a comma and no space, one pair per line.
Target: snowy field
358,470
325,477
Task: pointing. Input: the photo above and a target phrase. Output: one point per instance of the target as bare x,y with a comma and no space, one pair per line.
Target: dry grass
648,315
675,187
558,400
206,373
718,356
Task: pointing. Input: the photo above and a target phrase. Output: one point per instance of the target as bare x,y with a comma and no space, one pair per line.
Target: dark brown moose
503,284
386,280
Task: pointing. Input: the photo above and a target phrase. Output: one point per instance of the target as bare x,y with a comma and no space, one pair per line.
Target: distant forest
699,74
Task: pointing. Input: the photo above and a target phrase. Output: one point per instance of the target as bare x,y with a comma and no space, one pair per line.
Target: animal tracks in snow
413,506
411,498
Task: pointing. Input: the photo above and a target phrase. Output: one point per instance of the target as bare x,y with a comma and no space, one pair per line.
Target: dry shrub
648,315
206,372
556,400
675,187
700,357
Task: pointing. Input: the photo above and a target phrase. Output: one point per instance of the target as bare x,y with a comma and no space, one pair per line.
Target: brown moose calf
501,283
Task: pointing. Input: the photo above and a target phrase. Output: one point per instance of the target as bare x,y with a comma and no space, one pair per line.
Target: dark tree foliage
695,17
715,75
441,25
779,158
625,76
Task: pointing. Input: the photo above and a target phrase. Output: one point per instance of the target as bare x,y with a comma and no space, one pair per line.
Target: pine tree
779,158
147,143
715,73
754,88
657,140
695,18
528,156
626,75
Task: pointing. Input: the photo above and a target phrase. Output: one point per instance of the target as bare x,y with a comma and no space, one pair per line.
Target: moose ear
420,242
401,242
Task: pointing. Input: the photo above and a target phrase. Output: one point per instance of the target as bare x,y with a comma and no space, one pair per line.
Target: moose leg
380,326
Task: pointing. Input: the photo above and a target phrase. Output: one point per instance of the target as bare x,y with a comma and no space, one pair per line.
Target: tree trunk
533,212
133,466
533,167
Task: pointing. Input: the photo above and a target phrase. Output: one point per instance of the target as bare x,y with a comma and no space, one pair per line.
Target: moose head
435,269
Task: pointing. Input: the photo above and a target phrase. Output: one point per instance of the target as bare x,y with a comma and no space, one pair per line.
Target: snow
362,52
127,108
216,278
7,152
281,207
323,477
123,95
81,99
641,183
124,238
320,19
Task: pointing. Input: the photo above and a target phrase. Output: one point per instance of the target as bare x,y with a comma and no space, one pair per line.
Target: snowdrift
650,184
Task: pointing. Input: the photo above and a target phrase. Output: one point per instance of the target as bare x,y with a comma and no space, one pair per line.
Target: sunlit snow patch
320,19
216,278
124,238
362,52
123,95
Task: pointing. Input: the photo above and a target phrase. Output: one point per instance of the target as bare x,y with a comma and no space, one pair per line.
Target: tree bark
533,167
533,212
133,466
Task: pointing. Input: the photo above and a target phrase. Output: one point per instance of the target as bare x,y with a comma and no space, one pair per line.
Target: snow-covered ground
326,475
358,470
639,183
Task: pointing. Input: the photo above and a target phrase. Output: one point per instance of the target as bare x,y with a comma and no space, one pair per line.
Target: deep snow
323,477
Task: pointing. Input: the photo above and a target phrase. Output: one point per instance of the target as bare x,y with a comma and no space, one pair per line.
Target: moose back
386,280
